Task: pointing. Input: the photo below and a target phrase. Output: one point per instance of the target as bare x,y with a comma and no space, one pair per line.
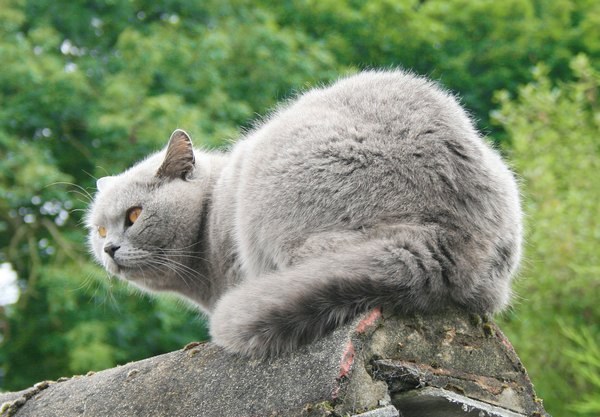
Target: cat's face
144,223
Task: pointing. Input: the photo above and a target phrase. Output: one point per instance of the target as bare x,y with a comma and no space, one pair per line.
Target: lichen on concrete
368,366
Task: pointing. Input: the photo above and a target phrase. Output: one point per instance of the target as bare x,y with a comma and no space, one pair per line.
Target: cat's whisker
183,271
181,252
156,264
177,270
83,203
186,247
85,199
193,248
144,279
94,285
113,300
186,256
143,272
180,271
175,250
82,223
78,190
85,285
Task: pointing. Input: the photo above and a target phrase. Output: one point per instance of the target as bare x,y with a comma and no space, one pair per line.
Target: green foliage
586,362
87,88
473,47
555,149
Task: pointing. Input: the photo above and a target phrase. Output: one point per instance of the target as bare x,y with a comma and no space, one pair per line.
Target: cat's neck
207,286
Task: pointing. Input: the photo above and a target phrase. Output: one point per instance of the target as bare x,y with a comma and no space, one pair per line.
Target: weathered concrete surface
377,365
465,354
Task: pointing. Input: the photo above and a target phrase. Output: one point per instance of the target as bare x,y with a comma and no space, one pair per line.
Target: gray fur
374,191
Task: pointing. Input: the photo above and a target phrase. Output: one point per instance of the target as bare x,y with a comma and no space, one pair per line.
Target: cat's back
377,147
398,100
391,112
371,140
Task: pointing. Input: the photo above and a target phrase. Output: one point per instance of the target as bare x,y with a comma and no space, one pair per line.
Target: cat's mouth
126,266
128,273
154,273
138,274
122,271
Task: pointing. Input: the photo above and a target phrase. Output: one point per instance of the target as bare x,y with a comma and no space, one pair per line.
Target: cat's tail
277,313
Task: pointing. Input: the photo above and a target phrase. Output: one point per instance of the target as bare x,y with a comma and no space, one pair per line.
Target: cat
374,191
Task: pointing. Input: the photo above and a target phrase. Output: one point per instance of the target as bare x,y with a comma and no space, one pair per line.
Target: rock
451,364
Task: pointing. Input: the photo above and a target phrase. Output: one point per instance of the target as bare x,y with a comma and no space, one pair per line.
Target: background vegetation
87,88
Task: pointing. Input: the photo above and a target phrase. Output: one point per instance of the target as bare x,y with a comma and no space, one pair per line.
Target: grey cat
375,191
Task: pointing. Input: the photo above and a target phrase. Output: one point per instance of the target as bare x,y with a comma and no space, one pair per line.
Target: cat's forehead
117,197
124,189
118,193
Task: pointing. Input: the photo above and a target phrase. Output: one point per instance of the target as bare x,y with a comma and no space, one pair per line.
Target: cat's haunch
374,191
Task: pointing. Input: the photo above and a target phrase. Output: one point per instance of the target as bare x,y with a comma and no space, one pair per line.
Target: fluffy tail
278,312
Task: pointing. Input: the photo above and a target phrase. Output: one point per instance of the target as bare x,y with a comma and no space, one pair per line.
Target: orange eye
102,231
133,214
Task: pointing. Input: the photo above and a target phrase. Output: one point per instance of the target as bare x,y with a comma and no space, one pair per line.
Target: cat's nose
110,249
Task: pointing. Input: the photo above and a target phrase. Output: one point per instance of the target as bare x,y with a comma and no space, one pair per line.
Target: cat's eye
102,231
132,215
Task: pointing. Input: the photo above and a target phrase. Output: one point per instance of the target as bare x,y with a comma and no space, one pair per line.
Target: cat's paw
241,326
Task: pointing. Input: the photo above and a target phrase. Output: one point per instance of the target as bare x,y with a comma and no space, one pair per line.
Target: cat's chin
121,272
127,273
128,276
138,277
112,268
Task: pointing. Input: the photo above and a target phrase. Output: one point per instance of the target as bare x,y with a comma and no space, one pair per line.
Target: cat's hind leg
277,312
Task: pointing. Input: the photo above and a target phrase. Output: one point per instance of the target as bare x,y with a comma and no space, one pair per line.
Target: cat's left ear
179,158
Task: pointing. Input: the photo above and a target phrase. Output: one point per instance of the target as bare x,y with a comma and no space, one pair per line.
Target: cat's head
144,224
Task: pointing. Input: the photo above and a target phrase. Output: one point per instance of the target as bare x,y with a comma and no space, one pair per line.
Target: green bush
555,148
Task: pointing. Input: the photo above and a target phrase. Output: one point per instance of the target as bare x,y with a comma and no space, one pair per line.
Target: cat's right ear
103,182
179,158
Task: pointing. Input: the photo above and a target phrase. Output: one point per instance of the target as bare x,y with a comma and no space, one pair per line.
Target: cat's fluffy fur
374,191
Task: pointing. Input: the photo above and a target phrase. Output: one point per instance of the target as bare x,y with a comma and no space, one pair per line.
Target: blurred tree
554,130
473,47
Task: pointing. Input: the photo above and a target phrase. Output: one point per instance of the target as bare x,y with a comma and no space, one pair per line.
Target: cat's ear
179,158
103,182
